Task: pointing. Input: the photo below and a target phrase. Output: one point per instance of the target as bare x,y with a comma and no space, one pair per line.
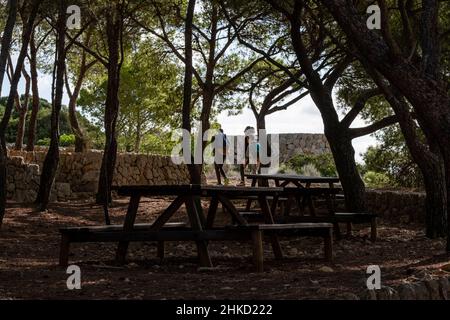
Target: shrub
323,164
67,140
376,180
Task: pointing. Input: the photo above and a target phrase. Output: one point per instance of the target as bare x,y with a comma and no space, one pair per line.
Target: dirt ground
29,244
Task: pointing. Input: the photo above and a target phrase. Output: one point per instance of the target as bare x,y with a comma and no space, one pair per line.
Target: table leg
194,218
269,220
168,213
249,201
258,250
212,212
232,210
128,226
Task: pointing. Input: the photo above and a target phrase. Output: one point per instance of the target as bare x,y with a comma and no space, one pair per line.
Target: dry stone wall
397,205
78,173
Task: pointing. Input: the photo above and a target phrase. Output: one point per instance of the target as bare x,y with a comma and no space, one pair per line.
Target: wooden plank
212,211
130,218
328,247
168,213
373,230
231,209
202,247
268,218
160,250
258,250
158,190
64,251
137,226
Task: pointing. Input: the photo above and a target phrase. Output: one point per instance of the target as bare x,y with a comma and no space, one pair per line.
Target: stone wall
293,144
297,143
22,181
78,174
397,205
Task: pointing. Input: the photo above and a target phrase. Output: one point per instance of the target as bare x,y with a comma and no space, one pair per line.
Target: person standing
251,145
220,142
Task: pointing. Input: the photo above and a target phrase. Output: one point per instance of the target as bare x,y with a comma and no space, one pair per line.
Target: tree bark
23,111
194,171
338,136
428,159
114,40
6,39
32,124
429,99
10,102
51,161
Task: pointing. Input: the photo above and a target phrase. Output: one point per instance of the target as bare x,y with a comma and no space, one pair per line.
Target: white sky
303,117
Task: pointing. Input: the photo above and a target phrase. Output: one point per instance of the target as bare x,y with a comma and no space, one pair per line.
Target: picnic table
302,182
283,180
201,228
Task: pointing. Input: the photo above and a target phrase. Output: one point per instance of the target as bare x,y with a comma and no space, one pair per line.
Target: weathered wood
328,246
294,178
137,226
258,250
232,210
128,225
212,211
202,247
168,213
268,219
373,229
160,250
64,250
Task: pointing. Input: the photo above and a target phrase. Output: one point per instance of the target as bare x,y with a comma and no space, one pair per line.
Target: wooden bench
179,232
323,230
335,219
110,233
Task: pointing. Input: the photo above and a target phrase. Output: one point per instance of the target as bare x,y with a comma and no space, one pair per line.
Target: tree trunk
51,161
6,39
32,124
113,30
428,158
429,99
344,158
261,122
338,136
80,141
194,171
10,102
21,129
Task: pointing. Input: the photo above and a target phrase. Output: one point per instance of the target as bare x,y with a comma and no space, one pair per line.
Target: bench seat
338,217
179,232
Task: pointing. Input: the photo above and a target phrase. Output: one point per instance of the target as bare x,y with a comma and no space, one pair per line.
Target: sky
302,117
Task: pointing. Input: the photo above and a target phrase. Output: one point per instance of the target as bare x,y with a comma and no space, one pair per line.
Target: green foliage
392,159
303,164
150,96
67,140
376,180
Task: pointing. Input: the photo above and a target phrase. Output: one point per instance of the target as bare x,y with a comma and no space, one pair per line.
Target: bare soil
29,245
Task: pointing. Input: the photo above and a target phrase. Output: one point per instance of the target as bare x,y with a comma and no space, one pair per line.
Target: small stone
326,269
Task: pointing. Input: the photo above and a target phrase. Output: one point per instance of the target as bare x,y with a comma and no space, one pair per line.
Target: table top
293,177
191,189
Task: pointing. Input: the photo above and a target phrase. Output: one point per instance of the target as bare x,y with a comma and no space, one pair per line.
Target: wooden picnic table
298,181
189,195
283,180
201,229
